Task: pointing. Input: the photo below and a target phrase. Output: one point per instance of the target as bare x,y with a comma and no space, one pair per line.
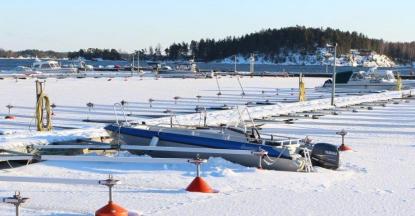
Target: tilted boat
282,153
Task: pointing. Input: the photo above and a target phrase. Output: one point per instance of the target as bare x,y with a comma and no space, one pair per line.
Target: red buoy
344,147
11,117
199,185
111,209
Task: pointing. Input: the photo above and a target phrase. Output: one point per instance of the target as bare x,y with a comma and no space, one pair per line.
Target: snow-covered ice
376,178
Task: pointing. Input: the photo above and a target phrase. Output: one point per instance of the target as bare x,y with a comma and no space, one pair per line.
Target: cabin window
357,76
45,66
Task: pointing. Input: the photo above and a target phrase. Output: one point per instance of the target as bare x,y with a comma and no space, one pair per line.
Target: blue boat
282,153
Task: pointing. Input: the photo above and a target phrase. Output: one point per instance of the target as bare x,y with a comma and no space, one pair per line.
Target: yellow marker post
398,83
301,89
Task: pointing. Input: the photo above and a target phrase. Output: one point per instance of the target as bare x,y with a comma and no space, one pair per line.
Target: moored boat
283,153
51,67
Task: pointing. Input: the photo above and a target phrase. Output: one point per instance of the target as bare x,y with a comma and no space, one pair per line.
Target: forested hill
277,42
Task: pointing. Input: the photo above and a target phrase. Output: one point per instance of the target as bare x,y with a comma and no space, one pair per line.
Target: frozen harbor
377,171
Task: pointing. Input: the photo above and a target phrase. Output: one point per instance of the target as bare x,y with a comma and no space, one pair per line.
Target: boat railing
280,140
121,107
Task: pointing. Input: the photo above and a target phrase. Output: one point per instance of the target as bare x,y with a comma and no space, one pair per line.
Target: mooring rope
43,104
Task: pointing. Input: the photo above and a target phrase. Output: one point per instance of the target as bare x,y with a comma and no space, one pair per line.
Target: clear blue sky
66,25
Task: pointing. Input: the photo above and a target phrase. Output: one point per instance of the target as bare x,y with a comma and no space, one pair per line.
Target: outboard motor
325,155
328,83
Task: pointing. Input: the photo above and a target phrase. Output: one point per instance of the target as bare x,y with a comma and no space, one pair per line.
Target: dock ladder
308,166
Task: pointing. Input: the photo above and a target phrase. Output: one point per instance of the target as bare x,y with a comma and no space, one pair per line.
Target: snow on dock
148,99
218,117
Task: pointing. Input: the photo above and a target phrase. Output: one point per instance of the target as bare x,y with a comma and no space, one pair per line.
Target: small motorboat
51,67
181,70
282,153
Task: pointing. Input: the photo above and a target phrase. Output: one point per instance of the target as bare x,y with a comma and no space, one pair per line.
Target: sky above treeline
67,25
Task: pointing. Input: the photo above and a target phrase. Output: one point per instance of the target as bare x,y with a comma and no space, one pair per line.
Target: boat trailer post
16,200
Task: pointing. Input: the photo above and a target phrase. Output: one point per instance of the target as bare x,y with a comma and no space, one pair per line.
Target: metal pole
235,65
138,61
198,169
333,86
132,67
252,62
110,193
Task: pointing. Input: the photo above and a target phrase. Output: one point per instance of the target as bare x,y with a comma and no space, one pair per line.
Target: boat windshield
45,66
358,76
54,65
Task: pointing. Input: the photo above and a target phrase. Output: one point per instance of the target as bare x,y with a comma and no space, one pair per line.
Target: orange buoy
344,147
199,185
111,209
11,117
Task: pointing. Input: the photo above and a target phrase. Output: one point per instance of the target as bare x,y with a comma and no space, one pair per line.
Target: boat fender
154,141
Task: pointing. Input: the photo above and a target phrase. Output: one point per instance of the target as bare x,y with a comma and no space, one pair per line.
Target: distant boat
97,59
361,81
78,63
51,67
22,71
181,69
